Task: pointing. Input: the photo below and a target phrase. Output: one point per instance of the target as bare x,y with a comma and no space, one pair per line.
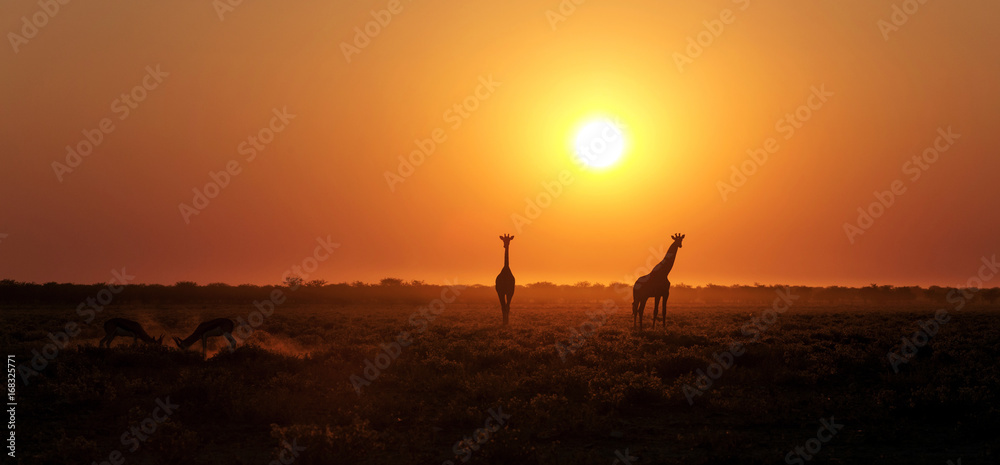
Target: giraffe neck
667,263
506,257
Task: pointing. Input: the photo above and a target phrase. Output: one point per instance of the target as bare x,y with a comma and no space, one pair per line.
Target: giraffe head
677,240
506,238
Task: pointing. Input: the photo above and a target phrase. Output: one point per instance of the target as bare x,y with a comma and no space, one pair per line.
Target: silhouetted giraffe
505,280
655,285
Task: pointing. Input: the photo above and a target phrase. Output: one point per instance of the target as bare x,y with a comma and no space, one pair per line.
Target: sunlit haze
813,143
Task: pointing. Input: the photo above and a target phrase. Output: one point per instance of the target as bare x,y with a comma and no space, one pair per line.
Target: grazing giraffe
505,280
655,285
128,328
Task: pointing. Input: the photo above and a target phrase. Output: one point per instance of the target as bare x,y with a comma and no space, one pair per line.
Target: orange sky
324,172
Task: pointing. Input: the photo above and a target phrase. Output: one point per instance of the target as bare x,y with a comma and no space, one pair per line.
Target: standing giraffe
655,285
505,280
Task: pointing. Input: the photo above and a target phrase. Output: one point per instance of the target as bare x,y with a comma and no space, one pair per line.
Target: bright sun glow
600,143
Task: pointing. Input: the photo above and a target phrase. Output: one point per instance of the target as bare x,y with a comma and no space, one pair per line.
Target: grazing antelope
122,327
211,328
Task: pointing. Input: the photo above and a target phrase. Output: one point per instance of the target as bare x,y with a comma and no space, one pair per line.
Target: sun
599,143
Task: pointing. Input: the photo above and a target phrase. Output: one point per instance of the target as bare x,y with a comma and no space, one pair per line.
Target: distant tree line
393,290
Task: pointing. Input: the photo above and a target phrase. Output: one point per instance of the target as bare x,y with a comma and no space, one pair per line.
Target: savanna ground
620,394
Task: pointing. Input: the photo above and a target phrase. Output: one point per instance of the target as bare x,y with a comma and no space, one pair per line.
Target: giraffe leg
642,308
503,306
656,308
107,340
507,313
664,318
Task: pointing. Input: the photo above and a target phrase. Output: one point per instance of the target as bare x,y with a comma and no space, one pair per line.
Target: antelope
122,327
211,328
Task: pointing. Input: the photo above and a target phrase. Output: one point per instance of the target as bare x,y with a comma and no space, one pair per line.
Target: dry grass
621,389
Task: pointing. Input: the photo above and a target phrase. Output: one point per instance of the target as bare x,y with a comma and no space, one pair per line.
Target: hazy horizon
316,113
408,281
812,148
